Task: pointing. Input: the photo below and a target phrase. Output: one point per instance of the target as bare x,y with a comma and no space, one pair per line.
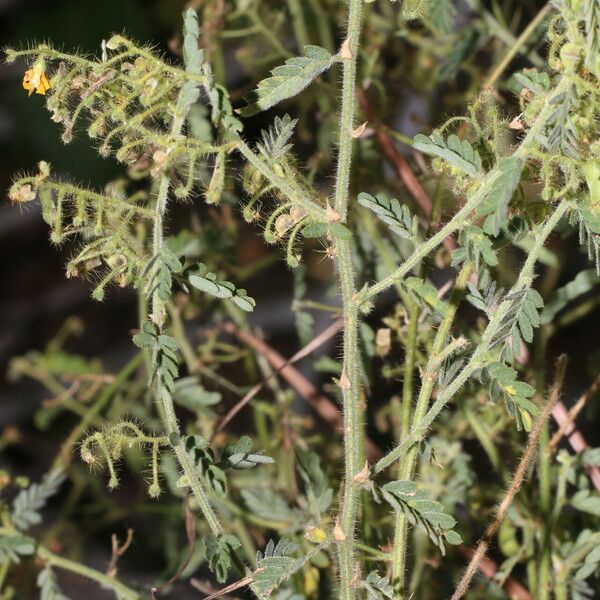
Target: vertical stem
342,181
478,358
401,529
409,367
298,22
545,482
545,515
162,394
407,466
157,317
353,425
351,371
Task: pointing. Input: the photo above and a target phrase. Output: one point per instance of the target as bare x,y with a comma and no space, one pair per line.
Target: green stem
545,483
353,423
157,317
121,590
514,48
350,380
408,465
401,529
462,217
296,195
342,182
479,357
298,22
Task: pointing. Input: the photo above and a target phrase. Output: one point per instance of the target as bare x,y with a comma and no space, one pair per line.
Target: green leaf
243,301
193,56
275,140
288,80
315,230
503,186
219,552
193,396
28,502
532,79
277,565
458,153
475,246
143,339
270,504
397,216
12,547
207,282
377,587
504,385
584,282
442,14
402,488
341,232
591,457
202,279
319,492
586,501
420,509
453,538
427,295
165,348
238,455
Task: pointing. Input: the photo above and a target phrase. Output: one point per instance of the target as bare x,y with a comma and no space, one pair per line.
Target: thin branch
515,486
320,403
488,568
567,425
118,550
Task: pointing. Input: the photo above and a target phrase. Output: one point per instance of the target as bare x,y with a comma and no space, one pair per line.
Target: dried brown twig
488,568
528,454
320,403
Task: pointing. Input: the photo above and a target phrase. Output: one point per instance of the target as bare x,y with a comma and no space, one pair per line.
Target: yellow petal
43,85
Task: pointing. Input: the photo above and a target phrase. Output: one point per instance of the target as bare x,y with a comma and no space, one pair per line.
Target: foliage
27,504
421,509
288,80
468,215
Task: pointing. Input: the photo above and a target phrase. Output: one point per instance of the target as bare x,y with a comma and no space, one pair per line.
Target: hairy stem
350,380
342,182
478,358
157,317
408,464
401,529
294,194
462,217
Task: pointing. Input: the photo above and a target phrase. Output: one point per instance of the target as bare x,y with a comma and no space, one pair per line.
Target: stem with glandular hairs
408,465
350,380
478,358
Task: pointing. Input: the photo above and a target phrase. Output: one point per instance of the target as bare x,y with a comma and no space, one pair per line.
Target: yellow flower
35,80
